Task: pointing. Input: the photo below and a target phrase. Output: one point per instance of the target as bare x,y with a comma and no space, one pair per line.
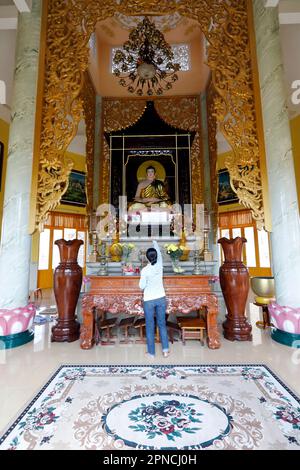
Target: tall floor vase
67,285
234,280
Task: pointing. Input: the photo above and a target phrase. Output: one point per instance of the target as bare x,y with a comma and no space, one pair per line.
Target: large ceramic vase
67,285
234,280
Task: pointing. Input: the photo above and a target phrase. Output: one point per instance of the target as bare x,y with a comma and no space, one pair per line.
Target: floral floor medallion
159,407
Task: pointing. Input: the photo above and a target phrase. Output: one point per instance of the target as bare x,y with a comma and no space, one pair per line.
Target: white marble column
285,237
207,179
98,150
15,248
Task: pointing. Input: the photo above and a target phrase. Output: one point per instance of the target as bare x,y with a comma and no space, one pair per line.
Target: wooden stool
105,325
192,328
126,323
141,325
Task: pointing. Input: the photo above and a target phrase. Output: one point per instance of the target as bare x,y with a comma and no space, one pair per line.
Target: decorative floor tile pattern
159,407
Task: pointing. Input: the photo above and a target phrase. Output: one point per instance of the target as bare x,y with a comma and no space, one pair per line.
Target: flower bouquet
127,249
175,252
129,270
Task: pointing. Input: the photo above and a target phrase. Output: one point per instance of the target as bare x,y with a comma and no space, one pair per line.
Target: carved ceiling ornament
163,23
70,24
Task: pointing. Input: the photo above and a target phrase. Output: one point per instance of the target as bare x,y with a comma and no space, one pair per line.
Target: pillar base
65,331
237,329
17,339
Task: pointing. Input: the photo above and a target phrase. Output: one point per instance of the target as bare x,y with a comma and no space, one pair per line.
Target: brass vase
185,249
116,250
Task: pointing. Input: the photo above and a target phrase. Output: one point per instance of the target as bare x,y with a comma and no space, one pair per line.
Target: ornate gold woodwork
70,24
184,113
180,112
213,154
89,111
105,173
120,114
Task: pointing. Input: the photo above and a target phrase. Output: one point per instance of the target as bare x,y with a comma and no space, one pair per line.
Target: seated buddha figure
151,194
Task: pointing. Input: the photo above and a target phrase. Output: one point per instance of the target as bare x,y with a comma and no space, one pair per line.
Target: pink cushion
16,320
285,318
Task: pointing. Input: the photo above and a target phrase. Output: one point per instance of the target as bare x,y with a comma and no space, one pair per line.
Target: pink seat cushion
285,318
16,320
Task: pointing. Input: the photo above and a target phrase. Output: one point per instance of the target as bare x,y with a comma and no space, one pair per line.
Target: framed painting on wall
1,161
76,192
226,195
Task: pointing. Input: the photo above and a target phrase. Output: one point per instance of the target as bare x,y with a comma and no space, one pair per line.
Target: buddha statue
151,194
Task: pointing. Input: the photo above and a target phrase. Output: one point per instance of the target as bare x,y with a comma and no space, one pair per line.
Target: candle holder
197,263
94,255
103,259
207,254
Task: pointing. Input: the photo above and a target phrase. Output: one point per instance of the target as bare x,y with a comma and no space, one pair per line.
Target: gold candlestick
94,255
103,260
207,254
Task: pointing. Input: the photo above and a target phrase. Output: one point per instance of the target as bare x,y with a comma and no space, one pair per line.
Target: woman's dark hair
151,255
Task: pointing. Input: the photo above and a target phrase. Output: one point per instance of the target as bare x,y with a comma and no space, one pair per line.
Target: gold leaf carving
184,113
181,112
89,108
213,154
224,23
120,114
105,173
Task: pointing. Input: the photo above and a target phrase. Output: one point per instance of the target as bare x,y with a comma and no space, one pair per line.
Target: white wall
7,65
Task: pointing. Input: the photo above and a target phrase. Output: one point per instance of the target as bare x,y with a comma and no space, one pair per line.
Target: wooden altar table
121,294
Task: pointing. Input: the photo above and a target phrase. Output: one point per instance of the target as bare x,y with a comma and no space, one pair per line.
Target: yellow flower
172,247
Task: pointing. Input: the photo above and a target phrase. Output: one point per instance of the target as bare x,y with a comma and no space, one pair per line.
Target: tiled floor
26,368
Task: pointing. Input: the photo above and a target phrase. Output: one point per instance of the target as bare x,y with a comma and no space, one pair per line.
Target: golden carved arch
69,26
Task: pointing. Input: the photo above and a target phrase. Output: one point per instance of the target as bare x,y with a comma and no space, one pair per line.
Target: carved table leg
213,335
87,329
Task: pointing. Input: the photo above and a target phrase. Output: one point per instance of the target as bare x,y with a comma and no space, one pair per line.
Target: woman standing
151,282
